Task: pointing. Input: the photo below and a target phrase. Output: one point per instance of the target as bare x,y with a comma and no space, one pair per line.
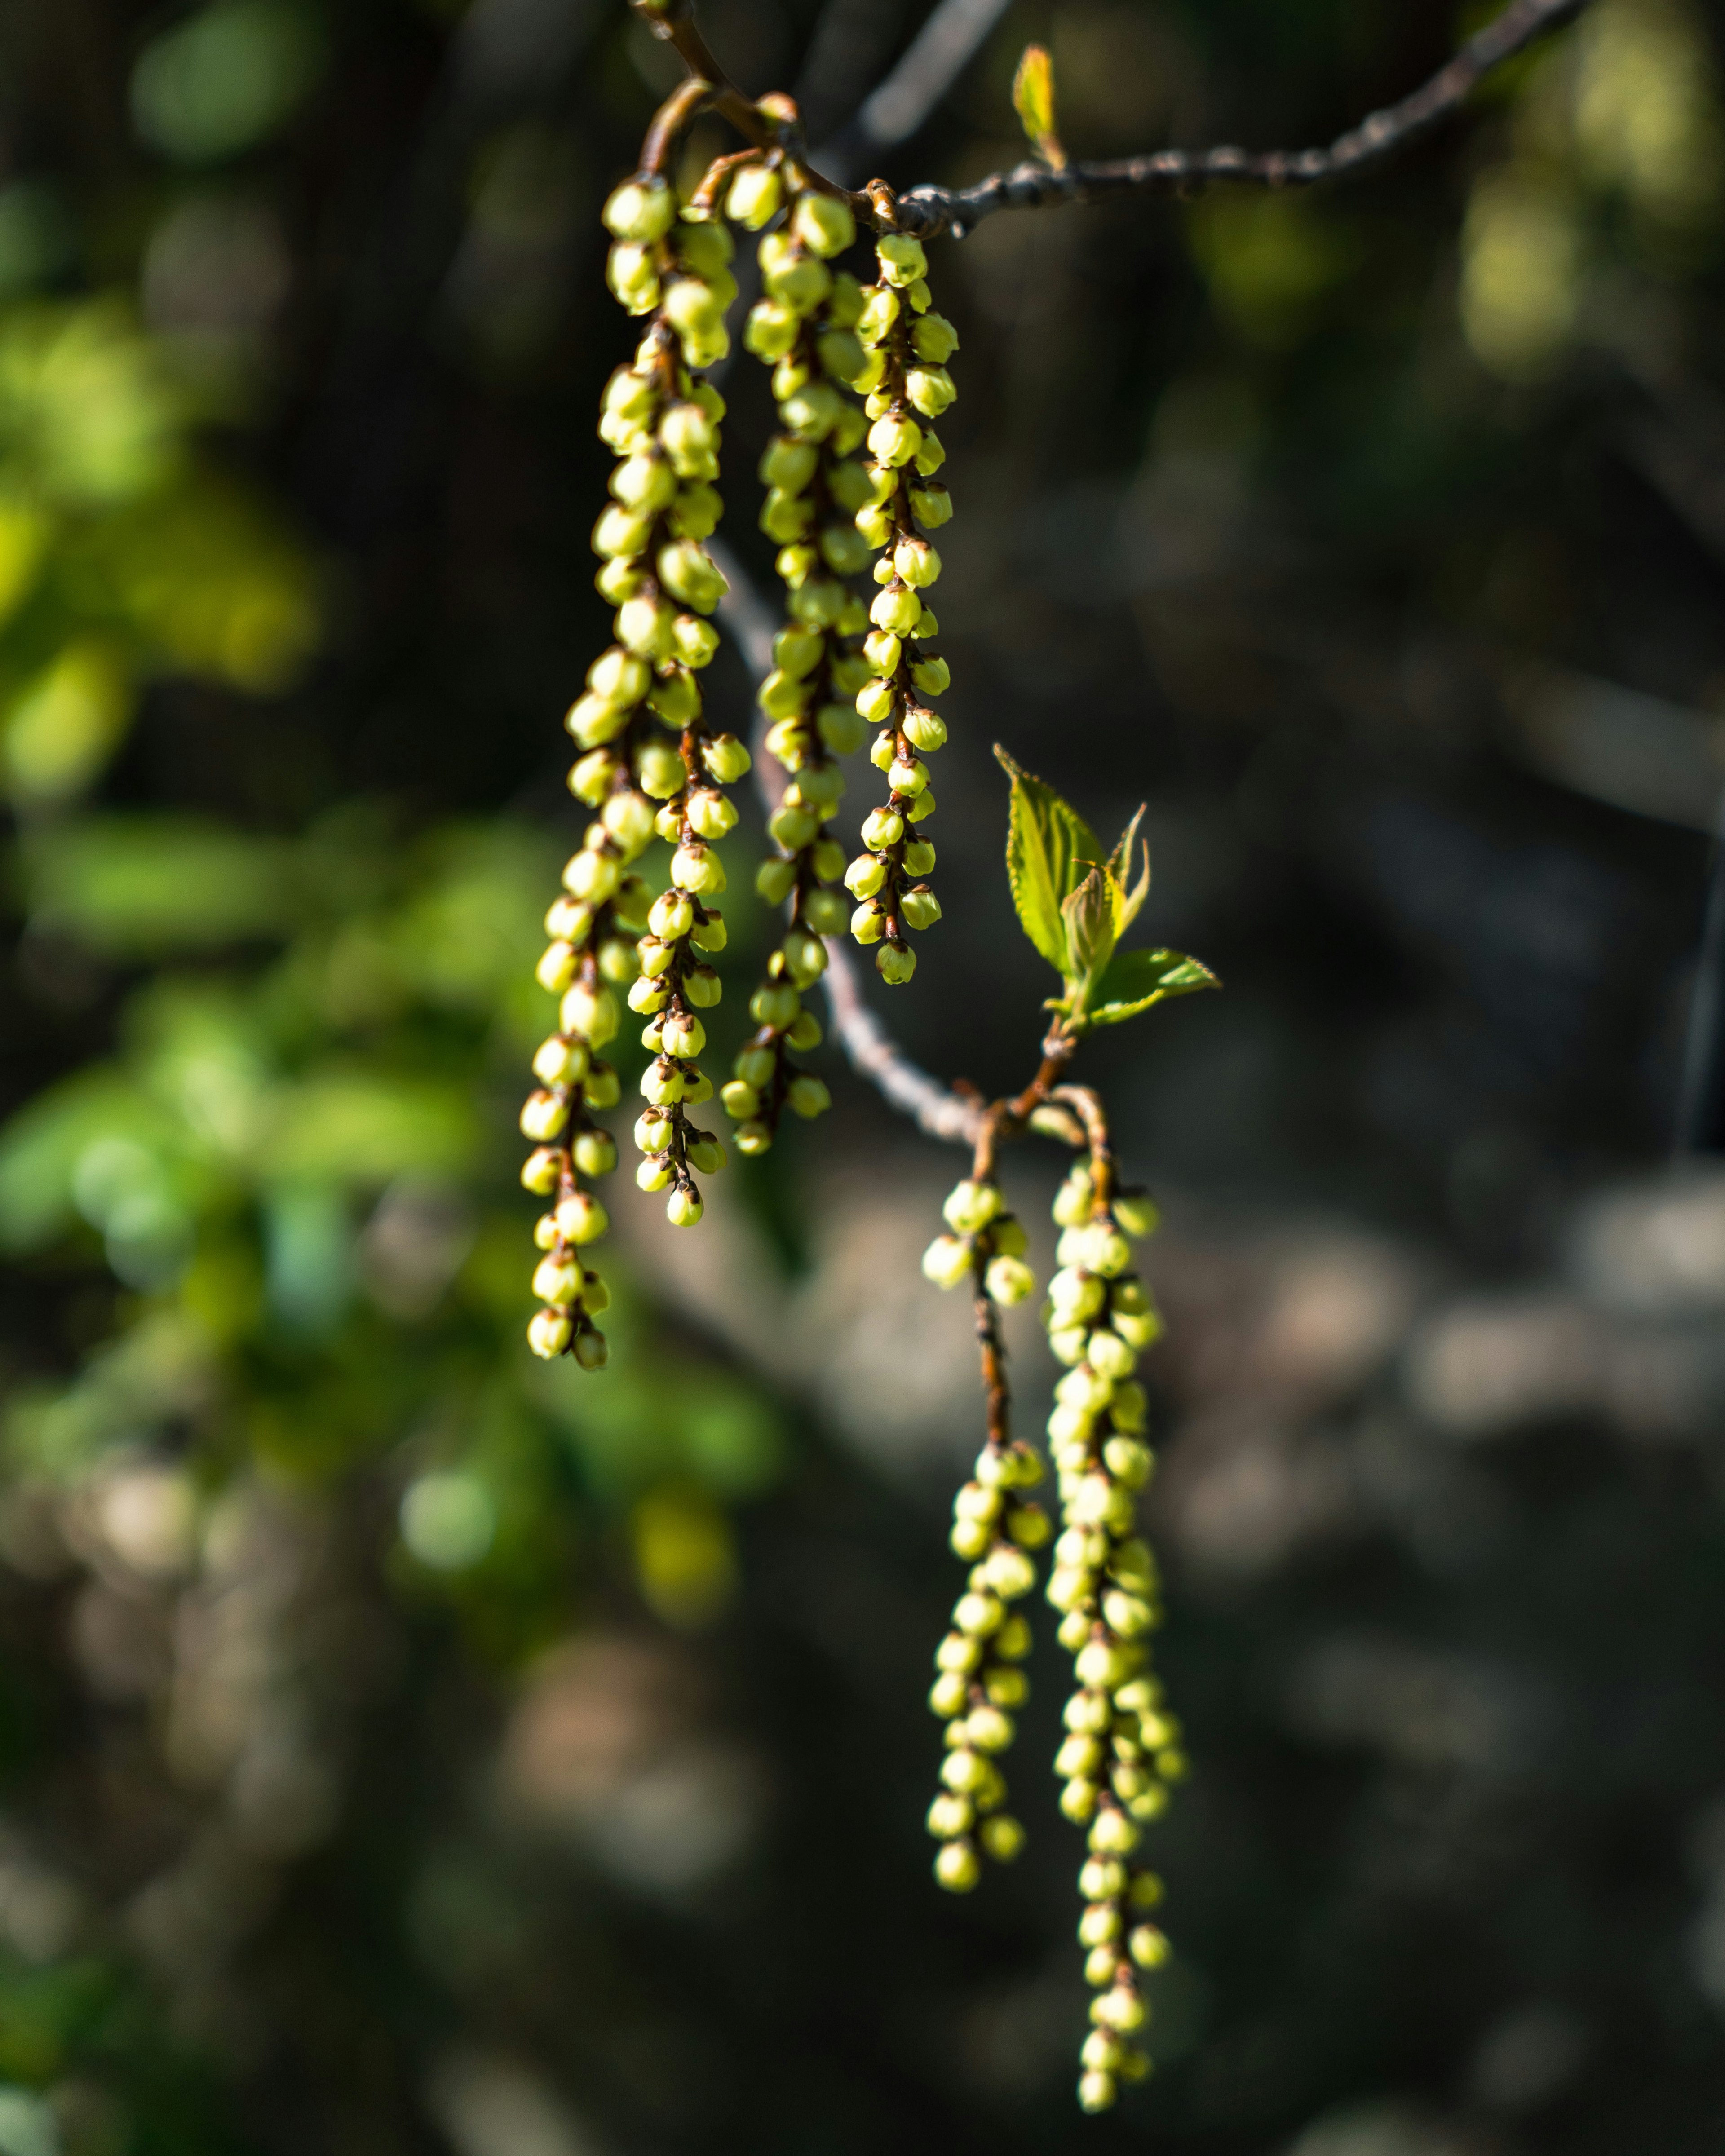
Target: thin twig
926,210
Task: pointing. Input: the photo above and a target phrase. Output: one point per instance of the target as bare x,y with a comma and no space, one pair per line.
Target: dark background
403,1747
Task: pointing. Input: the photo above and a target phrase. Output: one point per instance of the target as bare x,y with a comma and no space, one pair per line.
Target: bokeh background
405,1746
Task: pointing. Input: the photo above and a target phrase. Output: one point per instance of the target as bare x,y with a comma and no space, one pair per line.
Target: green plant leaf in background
1135,980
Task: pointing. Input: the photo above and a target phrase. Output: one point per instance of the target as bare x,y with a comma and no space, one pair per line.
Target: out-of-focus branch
935,1109
926,71
926,210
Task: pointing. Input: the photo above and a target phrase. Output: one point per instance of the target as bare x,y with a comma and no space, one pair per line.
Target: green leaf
1092,918
1133,981
1033,100
1120,866
1050,851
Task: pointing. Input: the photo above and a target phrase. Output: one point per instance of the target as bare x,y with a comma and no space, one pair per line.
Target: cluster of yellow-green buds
1120,1751
995,1528
803,327
906,386
645,763
654,764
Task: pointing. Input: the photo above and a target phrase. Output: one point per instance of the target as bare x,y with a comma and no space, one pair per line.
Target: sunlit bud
556,968
1002,1837
775,1003
919,908
807,1096
672,915
630,396
947,1261
812,412
543,1115
683,1208
1067,1588
917,562
922,805
1101,2052
1096,2091
910,778
627,816
929,458
601,1088
621,530
934,339
1127,1461
1029,1527
580,1217
1010,1572
931,389
978,1501
548,1332
823,224
1121,2009
1109,1353
875,701
1078,1799
591,1011
560,1062
776,879
971,1205
557,1280
702,987
685,1036
792,826
894,964
1129,1408
619,579
901,258
894,608
882,827
696,867
632,276
741,1099
590,780
753,197
706,1155
653,1131
646,481
542,1170
591,875
892,441
958,1867
595,1152
662,1083
1128,1615
640,210
785,518
1012,1642
654,1173
978,1614
687,572
1010,1280
949,1815
1076,1295
620,676
988,1730
879,312
1136,1212
690,438
1102,1923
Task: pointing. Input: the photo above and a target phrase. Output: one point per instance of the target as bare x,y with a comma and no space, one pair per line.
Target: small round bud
590,1350
807,1096
595,1152
640,210
1010,1282
894,964
683,1208
1078,1799
901,258
971,1205
548,1332
1096,2092
753,197
1135,1213
1149,1947
823,223
1112,1834
946,1696
1002,1837
958,1867
541,1170
894,608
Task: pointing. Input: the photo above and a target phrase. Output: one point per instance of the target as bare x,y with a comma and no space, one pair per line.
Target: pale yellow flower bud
548,1332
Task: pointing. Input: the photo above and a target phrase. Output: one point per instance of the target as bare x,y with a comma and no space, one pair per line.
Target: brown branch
926,210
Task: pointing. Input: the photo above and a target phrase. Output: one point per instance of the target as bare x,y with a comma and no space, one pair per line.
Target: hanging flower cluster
804,329
995,1527
1120,1751
647,764
907,385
